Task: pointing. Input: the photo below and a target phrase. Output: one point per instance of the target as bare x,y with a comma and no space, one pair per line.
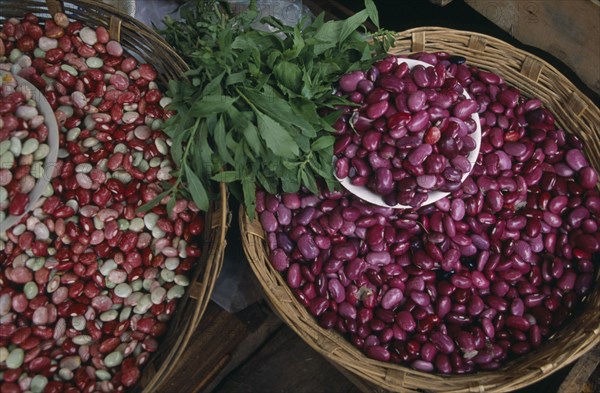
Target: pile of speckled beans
88,282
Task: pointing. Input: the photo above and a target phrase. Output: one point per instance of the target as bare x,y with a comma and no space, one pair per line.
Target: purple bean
349,82
307,247
426,182
420,76
488,77
428,352
347,310
318,305
405,320
417,100
443,306
509,97
576,160
517,322
465,108
378,258
378,352
392,298
375,111
422,365
588,177
583,283
392,83
442,342
418,122
365,86
268,221
279,259
336,290
418,155
442,363
344,251
284,215
420,298
552,219
383,181
294,277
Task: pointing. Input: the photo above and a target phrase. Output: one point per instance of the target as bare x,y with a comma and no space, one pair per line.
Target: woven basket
575,113
140,41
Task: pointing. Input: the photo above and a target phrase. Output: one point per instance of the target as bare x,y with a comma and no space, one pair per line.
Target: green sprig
259,106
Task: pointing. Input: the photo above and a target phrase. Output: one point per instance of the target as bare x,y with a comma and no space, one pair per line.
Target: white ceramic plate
433,196
50,120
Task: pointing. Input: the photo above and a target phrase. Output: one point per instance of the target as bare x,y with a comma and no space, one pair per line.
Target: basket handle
114,24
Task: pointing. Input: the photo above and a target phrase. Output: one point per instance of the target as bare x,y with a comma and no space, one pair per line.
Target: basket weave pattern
575,113
140,41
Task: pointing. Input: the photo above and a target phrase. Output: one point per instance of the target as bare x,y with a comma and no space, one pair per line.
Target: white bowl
433,196
50,162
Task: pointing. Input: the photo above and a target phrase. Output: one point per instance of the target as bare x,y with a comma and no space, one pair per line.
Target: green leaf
323,143
233,79
324,167
214,86
272,104
242,122
372,11
288,74
272,85
332,117
212,104
221,141
243,42
177,148
197,190
270,185
289,182
352,23
278,140
241,159
309,182
226,176
249,189
171,204
251,135
298,45
153,202
327,36
272,58
202,154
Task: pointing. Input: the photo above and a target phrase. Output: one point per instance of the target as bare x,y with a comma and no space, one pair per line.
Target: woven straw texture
575,113
143,43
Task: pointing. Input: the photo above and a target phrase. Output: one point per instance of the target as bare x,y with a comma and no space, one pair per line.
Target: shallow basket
575,113
146,45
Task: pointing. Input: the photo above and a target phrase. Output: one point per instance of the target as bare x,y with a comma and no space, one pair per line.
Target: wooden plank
359,383
217,335
286,364
569,30
581,372
260,330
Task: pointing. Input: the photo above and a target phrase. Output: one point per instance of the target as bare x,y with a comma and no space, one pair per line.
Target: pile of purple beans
412,132
479,277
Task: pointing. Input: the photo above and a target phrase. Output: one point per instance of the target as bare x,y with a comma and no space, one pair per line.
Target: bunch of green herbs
249,112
